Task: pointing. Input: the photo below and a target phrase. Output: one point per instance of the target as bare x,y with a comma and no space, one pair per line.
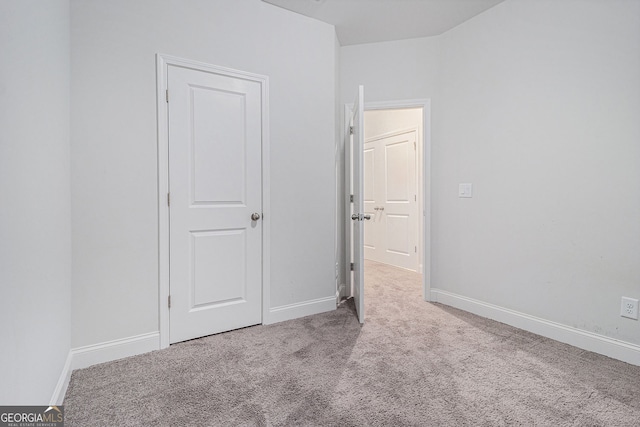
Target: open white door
358,216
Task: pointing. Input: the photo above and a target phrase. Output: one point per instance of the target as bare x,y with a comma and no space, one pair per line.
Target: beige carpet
412,363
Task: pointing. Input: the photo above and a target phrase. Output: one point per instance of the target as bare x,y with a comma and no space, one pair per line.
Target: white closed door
215,184
390,197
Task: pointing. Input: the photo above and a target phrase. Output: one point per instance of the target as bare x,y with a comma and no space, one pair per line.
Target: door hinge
415,249
168,199
351,267
414,145
350,130
169,301
166,94
351,198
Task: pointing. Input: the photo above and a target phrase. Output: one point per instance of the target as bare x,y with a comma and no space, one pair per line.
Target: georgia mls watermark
31,416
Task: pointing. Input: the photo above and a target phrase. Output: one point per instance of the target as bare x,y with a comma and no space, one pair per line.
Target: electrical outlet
629,308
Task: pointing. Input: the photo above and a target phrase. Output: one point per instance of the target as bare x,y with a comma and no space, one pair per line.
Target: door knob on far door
255,216
360,217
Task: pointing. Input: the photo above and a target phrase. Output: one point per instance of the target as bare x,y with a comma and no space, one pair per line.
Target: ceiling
369,21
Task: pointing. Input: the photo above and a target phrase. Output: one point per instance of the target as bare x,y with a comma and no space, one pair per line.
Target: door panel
370,237
215,143
218,147
220,255
397,232
369,177
396,172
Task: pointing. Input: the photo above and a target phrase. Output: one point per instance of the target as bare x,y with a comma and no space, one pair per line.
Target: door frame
425,145
162,65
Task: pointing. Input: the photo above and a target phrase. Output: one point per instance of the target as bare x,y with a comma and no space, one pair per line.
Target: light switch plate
465,190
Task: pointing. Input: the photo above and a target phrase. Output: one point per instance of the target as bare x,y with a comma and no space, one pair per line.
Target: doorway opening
417,183
387,134
392,174
393,197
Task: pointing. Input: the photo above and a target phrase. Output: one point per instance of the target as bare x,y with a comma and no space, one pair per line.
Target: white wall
35,244
404,69
540,107
380,122
114,147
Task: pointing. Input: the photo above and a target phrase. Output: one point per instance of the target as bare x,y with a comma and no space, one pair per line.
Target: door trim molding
162,64
425,104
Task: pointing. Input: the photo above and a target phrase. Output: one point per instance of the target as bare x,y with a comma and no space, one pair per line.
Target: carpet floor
413,363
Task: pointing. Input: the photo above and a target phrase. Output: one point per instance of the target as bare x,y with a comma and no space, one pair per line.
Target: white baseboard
621,350
294,311
63,382
83,357
342,292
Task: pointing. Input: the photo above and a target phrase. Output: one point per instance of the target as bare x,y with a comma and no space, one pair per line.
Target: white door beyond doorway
390,197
